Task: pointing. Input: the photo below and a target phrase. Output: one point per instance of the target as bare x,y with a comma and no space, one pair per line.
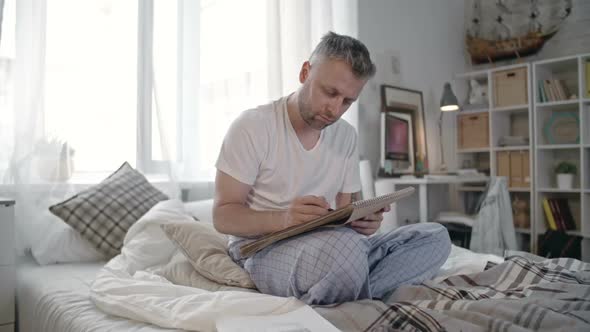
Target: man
290,161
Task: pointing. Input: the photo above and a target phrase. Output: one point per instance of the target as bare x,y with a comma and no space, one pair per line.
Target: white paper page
303,319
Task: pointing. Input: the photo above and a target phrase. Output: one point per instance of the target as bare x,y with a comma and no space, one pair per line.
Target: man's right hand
304,209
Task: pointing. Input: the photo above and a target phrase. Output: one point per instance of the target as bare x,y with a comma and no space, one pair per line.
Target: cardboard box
473,131
526,171
504,165
516,170
510,87
514,165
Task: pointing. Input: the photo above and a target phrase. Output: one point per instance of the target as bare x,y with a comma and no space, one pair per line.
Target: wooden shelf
512,148
519,190
472,188
557,190
558,103
523,108
558,146
522,230
478,75
477,150
474,111
575,233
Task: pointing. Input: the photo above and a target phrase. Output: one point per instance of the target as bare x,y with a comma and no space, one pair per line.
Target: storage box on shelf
473,130
510,87
515,166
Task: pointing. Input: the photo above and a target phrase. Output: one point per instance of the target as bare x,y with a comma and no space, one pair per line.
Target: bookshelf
547,145
553,145
505,120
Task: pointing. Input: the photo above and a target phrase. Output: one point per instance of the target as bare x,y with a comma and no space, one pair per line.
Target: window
121,77
90,96
234,74
6,87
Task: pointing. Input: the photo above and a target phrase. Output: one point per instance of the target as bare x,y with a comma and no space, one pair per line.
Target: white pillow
62,244
202,210
179,271
206,250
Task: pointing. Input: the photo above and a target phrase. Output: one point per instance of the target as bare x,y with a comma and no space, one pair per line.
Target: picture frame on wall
397,102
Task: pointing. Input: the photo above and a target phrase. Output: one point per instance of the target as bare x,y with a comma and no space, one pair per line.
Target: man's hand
370,224
304,209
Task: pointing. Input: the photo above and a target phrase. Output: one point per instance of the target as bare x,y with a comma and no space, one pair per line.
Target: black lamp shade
448,101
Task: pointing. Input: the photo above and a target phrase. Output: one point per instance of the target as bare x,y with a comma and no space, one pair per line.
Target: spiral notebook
336,218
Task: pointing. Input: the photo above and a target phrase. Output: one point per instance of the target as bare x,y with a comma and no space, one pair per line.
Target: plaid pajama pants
335,265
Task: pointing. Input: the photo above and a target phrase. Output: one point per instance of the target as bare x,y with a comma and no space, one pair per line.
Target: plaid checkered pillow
103,213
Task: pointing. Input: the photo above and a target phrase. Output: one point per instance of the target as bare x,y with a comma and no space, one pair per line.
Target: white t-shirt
261,149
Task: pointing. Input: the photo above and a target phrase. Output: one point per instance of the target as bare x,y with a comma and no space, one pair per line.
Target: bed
472,292
55,298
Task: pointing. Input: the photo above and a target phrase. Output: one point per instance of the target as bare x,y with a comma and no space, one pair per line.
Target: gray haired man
290,161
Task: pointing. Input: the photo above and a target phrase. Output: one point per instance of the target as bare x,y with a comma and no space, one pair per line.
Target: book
339,217
557,215
554,244
566,212
549,215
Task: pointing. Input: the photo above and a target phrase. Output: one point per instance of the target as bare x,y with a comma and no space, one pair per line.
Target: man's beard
307,113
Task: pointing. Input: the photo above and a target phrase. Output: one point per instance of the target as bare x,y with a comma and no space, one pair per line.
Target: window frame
145,75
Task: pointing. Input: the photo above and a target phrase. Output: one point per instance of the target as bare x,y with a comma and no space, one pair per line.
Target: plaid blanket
520,294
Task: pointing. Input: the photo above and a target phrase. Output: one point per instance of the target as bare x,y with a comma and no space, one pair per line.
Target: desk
387,185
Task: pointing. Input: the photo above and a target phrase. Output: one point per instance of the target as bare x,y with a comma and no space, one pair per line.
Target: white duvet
128,287
125,287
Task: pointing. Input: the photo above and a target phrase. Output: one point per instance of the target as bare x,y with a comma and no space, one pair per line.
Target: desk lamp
448,103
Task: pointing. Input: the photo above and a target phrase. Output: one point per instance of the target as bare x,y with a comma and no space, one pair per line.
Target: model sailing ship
501,43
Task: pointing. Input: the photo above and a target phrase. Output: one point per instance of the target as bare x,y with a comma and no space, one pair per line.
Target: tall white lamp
448,103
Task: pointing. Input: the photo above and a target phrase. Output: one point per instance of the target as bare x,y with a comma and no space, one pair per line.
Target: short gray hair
351,50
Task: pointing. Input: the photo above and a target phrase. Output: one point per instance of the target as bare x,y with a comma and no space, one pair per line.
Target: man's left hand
370,224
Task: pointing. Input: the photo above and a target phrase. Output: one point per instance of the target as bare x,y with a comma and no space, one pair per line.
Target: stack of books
558,214
552,90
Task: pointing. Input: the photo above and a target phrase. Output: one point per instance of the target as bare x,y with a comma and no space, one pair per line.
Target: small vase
565,181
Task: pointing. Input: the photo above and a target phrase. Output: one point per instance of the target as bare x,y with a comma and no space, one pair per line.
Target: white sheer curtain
251,52
91,84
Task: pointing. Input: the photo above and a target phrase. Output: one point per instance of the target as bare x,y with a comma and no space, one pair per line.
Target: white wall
427,38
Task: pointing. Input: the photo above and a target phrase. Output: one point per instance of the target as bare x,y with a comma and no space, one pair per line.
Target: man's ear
304,73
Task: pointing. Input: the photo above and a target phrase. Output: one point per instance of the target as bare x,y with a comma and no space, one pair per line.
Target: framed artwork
562,128
398,100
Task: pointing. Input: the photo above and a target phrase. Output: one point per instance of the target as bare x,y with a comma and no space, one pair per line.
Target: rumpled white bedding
126,287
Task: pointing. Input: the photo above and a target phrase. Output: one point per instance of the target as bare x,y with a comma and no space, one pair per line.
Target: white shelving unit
543,153
503,121
571,71
7,266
